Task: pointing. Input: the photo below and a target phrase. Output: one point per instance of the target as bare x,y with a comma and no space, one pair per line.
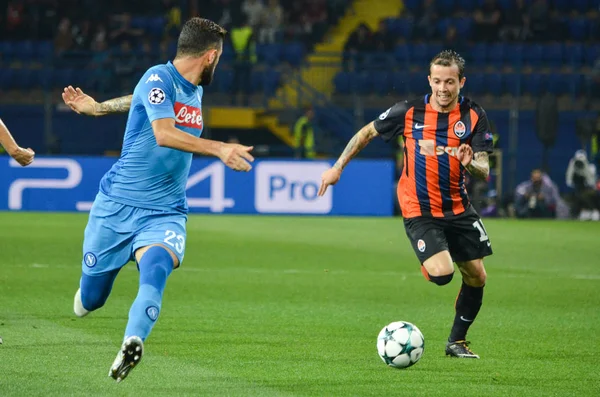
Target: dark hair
447,58
199,35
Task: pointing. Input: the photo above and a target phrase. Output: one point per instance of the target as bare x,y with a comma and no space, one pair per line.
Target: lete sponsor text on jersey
188,116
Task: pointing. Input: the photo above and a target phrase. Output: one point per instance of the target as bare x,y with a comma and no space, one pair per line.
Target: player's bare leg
467,306
155,263
439,268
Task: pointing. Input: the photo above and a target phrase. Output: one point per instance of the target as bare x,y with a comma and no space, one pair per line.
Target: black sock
467,306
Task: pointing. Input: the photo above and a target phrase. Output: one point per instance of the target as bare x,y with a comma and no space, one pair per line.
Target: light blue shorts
115,231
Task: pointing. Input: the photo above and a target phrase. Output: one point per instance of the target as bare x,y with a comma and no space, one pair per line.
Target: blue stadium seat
576,85
497,54
558,83
341,81
155,26
464,26
228,54
573,54
224,79
553,54
44,50
419,53
532,84
475,84
592,53
478,54
24,50
293,53
514,55
271,81
381,82
412,5
562,5
269,53
533,55
418,84
442,26
6,78
578,28
257,81
402,27
400,83
512,84
62,78
493,83
402,54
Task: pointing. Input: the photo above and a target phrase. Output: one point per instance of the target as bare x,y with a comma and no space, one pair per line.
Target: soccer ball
400,344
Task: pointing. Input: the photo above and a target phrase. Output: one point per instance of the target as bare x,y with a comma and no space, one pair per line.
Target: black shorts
464,236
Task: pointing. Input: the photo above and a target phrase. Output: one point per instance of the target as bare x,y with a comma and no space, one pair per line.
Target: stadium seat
553,54
401,27
224,79
293,53
412,5
341,81
44,50
271,81
562,5
402,54
418,84
381,82
573,54
400,83
558,83
576,87
592,54
532,84
442,26
497,54
446,6
419,53
514,55
512,84
477,54
62,78
269,53
583,5
464,26
475,84
578,28
493,83
6,78
533,54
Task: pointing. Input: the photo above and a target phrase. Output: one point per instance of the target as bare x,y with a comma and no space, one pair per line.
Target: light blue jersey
147,175
142,197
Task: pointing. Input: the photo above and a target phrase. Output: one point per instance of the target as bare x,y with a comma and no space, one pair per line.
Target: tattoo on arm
480,165
356,144
116,105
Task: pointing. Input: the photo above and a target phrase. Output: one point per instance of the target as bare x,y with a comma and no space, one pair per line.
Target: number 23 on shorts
177,241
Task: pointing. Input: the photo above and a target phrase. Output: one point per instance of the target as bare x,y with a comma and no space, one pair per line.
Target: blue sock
155,266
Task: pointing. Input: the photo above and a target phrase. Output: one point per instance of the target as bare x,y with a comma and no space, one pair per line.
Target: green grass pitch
291,306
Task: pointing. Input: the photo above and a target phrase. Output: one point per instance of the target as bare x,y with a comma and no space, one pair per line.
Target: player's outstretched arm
82,103
477,164
21,155
354,146
236,157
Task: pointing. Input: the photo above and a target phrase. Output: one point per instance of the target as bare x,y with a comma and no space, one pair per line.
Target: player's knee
442,279
93,299
155,266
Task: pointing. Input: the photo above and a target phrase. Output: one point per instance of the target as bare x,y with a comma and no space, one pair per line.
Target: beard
208,74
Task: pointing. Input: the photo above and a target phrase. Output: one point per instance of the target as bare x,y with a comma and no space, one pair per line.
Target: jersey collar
185,84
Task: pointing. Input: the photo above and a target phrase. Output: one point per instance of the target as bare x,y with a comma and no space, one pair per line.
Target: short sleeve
390,124
483,139
155,90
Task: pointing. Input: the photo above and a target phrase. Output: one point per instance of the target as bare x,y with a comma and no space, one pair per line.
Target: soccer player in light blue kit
140,210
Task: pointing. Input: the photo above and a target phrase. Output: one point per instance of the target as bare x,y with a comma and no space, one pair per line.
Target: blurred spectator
15,19
581,177
537,197
244,46
253,10
123,30
426,20
271,20
539,20
124,66
315,20
488,19
101,65
173,18
383,40
516,22
304,135
358,43
452,41
63,41
82,35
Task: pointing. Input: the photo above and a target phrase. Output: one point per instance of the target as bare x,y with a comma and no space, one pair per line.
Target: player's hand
465,154
237,157
78,101
22,156
329,177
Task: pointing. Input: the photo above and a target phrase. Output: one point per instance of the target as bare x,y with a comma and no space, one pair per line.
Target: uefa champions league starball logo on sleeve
156,96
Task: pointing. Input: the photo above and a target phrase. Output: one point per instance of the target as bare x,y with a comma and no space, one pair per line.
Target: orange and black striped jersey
432,181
